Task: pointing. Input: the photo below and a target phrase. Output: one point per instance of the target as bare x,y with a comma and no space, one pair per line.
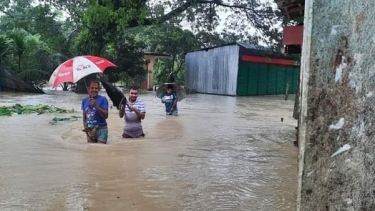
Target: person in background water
169,98
95,113
133,114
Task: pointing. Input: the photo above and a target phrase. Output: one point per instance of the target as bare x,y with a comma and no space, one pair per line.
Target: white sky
223,15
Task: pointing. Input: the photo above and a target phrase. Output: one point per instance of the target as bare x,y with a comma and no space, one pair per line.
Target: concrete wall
338,107
213,71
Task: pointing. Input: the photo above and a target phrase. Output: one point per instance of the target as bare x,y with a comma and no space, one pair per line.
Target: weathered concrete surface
338,103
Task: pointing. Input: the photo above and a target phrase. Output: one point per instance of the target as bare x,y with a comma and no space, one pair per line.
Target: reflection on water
220,153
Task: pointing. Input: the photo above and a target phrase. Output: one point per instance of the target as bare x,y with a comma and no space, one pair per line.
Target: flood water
220,153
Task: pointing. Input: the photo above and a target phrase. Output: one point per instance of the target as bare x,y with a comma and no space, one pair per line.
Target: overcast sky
223,15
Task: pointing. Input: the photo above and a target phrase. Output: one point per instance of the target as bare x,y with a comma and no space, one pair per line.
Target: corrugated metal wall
266,79
213,71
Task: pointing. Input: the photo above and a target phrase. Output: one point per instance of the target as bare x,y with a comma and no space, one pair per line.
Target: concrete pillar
337,119
150,74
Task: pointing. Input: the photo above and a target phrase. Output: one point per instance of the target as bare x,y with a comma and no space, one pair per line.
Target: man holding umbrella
94,107
169,98
95,113
133,113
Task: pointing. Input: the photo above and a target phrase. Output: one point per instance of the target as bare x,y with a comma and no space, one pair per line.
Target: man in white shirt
133,114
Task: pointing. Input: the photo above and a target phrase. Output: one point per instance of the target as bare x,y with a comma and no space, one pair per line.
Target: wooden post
286,90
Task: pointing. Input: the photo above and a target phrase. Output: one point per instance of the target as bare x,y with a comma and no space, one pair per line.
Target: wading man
95,113
169,98
133,114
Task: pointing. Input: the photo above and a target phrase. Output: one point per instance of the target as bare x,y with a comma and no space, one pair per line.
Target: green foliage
18,109
36,38
84,43
127,53
162,73
56,120
105,35
19,42
5,47
173,41
31,37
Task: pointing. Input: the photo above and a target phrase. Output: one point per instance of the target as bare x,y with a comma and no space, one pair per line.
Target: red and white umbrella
78,67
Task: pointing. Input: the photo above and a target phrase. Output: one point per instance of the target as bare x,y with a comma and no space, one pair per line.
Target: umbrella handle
122,99
87,89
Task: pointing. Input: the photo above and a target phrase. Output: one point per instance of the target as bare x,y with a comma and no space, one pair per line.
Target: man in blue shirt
169,98
95,113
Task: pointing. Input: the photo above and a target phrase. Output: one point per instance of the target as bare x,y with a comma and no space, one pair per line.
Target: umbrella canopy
114,94
180,91
78,67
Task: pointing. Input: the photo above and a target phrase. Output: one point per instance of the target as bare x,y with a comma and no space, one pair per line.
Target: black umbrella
118,98
180,91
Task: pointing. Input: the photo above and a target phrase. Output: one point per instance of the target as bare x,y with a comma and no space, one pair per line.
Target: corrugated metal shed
213,70
239,69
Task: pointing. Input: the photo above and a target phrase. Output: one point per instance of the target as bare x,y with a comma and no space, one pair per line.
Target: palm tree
19,44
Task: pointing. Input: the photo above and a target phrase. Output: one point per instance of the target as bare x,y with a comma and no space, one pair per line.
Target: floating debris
61,119
342,149
18,109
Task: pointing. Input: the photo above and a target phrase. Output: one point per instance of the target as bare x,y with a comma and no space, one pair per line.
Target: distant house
292,35
239,69
150,59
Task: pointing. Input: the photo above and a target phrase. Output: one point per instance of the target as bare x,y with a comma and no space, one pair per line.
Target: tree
114,29
171,40
5,47
203,14
105,20
35,35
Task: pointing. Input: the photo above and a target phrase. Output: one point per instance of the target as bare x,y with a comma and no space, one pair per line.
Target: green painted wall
266,79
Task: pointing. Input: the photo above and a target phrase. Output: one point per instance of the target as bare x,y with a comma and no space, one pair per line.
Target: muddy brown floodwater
220,153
